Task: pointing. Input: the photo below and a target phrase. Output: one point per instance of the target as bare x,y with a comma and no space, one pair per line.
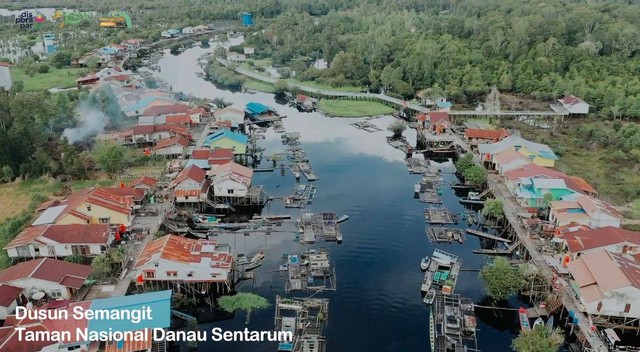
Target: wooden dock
440,216
429,196
486,235
444,234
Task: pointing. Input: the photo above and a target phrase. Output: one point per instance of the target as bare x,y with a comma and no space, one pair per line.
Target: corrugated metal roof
49,216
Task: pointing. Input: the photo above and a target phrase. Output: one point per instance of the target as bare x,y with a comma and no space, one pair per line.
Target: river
377,305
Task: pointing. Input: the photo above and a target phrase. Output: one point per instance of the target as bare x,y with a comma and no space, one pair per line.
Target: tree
244,301
397,128
502,279
61,59
476,175
493,208
464,163
111,157
7,173
17,87
101,267
92,63
539,340
281,86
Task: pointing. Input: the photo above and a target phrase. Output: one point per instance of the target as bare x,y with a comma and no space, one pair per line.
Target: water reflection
377,305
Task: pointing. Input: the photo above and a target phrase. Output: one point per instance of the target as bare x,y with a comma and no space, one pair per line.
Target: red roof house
57,278
61,241
189,260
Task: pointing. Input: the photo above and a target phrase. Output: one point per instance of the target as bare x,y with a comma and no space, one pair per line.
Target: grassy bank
318,85
259,86
61,78
353,108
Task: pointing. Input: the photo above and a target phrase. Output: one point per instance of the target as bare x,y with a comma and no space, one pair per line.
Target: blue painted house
532,191
227,139
256,111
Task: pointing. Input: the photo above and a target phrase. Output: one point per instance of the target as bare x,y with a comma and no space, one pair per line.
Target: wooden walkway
383,97
486,235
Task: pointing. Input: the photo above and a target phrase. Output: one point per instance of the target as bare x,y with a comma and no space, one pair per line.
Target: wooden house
607,283
538,153
56,278
59,241
92,206
171,260
172,147
225,138
574,105
231,180
235,116
190,187
584,210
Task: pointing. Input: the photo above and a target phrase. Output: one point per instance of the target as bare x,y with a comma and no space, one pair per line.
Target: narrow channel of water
377,305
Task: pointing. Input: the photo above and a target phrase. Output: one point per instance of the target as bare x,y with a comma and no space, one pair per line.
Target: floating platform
429,196
309,271
366,126
305,169
305,318
420,166
442,272
440,216
400,144
452,324
444,234
299,197
314,226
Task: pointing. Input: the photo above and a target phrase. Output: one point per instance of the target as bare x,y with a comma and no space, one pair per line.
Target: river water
377,305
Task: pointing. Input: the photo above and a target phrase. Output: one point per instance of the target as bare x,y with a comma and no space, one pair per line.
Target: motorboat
343,218
549,324
524,319
430,296
424,263
538,322
255,262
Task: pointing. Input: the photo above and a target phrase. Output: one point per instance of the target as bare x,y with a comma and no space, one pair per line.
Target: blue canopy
254,108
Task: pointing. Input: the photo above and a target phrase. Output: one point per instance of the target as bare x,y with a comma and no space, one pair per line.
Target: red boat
524,319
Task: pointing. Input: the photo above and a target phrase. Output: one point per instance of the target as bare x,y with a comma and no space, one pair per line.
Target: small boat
538,322
549,324
258,257
416,188
430,296
255,262
242,259
343,218
424,263
524,319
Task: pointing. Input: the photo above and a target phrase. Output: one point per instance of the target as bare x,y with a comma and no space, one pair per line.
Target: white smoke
91,121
